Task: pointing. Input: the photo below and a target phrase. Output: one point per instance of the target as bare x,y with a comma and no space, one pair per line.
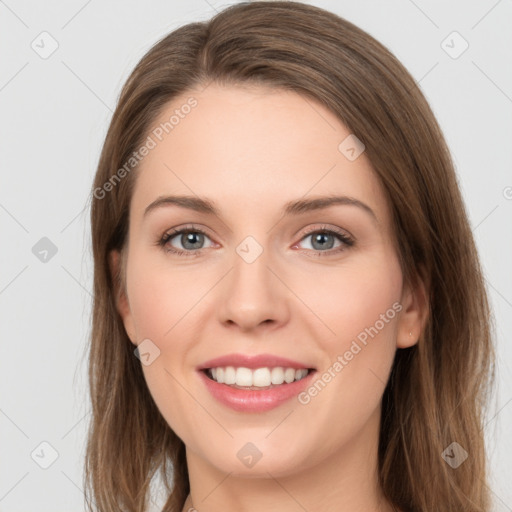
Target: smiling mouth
256,379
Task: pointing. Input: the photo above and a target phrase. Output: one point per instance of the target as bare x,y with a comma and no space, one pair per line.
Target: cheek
354,298
159,302
365,307
159,298
361,306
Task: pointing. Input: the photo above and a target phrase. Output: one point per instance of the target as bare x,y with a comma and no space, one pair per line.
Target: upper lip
253,362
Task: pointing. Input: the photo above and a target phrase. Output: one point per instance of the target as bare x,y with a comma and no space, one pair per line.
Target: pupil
193,239
320,238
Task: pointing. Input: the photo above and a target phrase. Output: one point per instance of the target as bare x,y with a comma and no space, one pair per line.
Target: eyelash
346,240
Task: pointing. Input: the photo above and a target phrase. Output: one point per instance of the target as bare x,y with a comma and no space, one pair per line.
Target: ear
122,305
415,310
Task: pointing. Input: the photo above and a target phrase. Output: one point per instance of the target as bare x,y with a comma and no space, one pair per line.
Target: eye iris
320,237
192,238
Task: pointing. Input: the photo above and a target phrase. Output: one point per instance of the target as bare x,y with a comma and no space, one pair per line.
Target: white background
54,115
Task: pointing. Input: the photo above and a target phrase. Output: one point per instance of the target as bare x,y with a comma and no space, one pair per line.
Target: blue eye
192,240
323,241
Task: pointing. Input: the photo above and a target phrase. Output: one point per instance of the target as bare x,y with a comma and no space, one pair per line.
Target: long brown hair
438,389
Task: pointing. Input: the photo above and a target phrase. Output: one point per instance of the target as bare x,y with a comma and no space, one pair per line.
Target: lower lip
252,400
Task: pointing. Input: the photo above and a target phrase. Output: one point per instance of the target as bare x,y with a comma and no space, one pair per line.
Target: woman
289,311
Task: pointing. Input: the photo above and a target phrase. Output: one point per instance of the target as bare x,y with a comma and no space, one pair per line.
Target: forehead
250,149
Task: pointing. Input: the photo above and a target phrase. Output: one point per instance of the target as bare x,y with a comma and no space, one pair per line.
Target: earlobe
414,314
122,304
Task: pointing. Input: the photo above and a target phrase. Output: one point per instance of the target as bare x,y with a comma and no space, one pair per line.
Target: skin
250,150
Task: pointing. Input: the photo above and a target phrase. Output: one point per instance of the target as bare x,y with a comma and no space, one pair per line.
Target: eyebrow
296,207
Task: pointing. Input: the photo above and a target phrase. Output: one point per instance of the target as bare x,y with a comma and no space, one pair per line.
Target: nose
253,296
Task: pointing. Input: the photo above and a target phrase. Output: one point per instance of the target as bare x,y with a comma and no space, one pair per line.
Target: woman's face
272,273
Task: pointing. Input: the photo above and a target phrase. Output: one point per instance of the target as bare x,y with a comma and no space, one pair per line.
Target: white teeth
243,377
229,375
260,377
277,376
289,375
300,374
